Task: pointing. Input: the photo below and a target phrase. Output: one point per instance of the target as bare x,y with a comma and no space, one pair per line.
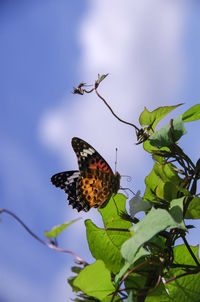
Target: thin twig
51,246
183,266
156,286
116,229
193,187
190,250
113,111
180,160
125,276
182,275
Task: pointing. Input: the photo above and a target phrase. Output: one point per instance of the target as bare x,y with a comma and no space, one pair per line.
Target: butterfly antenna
116,160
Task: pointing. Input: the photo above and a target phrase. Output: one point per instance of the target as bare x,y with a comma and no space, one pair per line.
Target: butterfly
93,184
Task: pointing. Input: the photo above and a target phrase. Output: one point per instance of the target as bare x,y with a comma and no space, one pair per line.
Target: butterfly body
93,184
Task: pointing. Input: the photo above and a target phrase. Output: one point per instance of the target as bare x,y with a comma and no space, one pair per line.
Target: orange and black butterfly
93,184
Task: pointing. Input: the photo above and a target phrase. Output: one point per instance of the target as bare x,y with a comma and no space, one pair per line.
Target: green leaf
151,149
186,288
148,118
110,214
166,172
95,281
106,244
162,137
167,191
155,222
151,181
192,114
139,254
56,230
163,182
193,211
169,181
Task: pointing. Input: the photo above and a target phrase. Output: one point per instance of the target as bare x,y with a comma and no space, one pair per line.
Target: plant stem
116,229
190,250
51,246
125,276
119,119
182,275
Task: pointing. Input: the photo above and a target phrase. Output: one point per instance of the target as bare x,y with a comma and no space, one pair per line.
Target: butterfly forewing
88,157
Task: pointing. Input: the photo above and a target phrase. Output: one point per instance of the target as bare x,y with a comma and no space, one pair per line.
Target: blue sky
151,50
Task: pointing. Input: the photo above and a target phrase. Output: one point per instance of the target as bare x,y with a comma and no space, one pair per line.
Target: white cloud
141,45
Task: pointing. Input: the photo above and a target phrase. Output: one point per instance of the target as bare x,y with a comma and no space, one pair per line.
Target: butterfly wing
68,181
88,157
95,188
93,185
97,181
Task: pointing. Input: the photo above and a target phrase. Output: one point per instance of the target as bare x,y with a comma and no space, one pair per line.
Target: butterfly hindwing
68,182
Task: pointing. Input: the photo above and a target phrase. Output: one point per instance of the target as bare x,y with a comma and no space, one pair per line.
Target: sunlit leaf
192,114
153,117
95,281
56,230
106,244
102,247
151,181
110,214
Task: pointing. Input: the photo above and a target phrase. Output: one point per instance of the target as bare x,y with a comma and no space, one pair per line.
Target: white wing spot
85,152
72,177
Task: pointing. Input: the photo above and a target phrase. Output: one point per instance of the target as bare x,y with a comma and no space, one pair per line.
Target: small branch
194,186
51,246
183,266
119,119
182,275
190,250
116,229
124,277
156,286
180,160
